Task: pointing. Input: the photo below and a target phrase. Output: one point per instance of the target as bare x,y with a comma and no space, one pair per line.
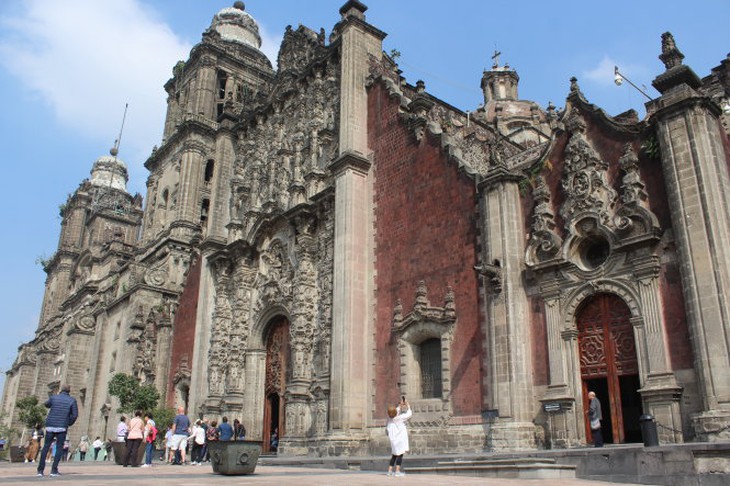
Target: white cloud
270,44
87,58
603,73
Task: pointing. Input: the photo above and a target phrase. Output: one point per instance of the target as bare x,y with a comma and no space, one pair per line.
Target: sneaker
145,465
193,463
40,474
199,464
55,474
400,474
27,461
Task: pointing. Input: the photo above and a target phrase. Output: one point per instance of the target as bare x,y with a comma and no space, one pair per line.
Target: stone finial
421,295
353,8
670,56
574,88
398,312
449,304
420,86
239,5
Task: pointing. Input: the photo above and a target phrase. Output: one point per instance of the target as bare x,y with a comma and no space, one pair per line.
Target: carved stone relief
585,178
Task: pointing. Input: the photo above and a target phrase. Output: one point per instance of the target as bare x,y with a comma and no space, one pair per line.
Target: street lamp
619,78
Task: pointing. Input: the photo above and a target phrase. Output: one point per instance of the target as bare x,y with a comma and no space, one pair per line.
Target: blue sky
68,67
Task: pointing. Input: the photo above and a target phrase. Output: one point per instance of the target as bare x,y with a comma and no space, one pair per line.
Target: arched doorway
609,367
277,365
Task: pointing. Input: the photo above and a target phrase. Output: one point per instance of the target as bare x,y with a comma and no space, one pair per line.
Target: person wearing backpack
150,435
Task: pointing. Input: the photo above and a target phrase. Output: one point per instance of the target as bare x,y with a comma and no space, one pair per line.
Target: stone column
205,99
191,168
576,422
507,310
698,189
559,401
660,392
163,356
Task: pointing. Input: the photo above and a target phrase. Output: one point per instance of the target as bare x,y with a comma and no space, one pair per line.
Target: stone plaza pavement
100,473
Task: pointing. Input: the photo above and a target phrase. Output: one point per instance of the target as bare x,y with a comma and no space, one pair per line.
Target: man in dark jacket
62,414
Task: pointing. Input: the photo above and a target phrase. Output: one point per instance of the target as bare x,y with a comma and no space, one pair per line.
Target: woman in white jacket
398,434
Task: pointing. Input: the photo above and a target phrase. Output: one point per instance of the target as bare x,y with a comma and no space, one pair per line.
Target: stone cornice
354,161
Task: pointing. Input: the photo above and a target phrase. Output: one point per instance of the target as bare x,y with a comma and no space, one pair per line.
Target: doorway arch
277,370
608,365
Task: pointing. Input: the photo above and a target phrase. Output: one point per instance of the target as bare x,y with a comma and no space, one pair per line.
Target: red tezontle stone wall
183,329
425,229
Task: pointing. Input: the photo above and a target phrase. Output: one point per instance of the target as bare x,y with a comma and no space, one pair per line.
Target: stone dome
110,171
234,24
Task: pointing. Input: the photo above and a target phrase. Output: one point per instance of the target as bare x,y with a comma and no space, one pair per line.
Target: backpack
152,435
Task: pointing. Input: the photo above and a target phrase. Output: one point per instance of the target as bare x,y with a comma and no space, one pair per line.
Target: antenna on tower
115,150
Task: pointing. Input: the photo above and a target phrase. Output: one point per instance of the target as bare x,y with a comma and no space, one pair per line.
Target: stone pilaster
698,189
190,180
204,103
219,214
353,252
163,355
508,314
359,41
202,393
352,294
558,401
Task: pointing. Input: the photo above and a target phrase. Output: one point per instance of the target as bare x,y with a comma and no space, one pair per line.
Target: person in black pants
62,415
595,416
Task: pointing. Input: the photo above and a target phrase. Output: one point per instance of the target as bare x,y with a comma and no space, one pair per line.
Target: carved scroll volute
544,241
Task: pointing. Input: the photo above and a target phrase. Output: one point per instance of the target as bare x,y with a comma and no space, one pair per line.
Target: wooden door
608,360
277,362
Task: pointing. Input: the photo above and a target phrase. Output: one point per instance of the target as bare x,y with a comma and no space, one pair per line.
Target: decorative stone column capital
354,161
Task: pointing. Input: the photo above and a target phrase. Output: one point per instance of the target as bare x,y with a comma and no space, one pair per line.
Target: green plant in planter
132,395
30,411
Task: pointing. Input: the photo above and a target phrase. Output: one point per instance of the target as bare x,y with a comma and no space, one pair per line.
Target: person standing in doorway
398,435
595,416
62,414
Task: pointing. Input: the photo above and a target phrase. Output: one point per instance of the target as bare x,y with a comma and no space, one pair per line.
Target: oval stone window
594,251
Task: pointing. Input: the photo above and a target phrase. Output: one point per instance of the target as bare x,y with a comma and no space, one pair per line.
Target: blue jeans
148,453
60,439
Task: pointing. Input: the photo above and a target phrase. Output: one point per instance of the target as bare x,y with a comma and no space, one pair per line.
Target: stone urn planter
232,458
17,454
120,450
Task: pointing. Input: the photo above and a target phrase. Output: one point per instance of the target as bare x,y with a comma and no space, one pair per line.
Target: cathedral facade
318,240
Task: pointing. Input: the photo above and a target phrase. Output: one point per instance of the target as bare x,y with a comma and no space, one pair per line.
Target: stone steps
513,468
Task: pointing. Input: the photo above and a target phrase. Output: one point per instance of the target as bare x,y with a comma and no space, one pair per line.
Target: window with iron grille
430,351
